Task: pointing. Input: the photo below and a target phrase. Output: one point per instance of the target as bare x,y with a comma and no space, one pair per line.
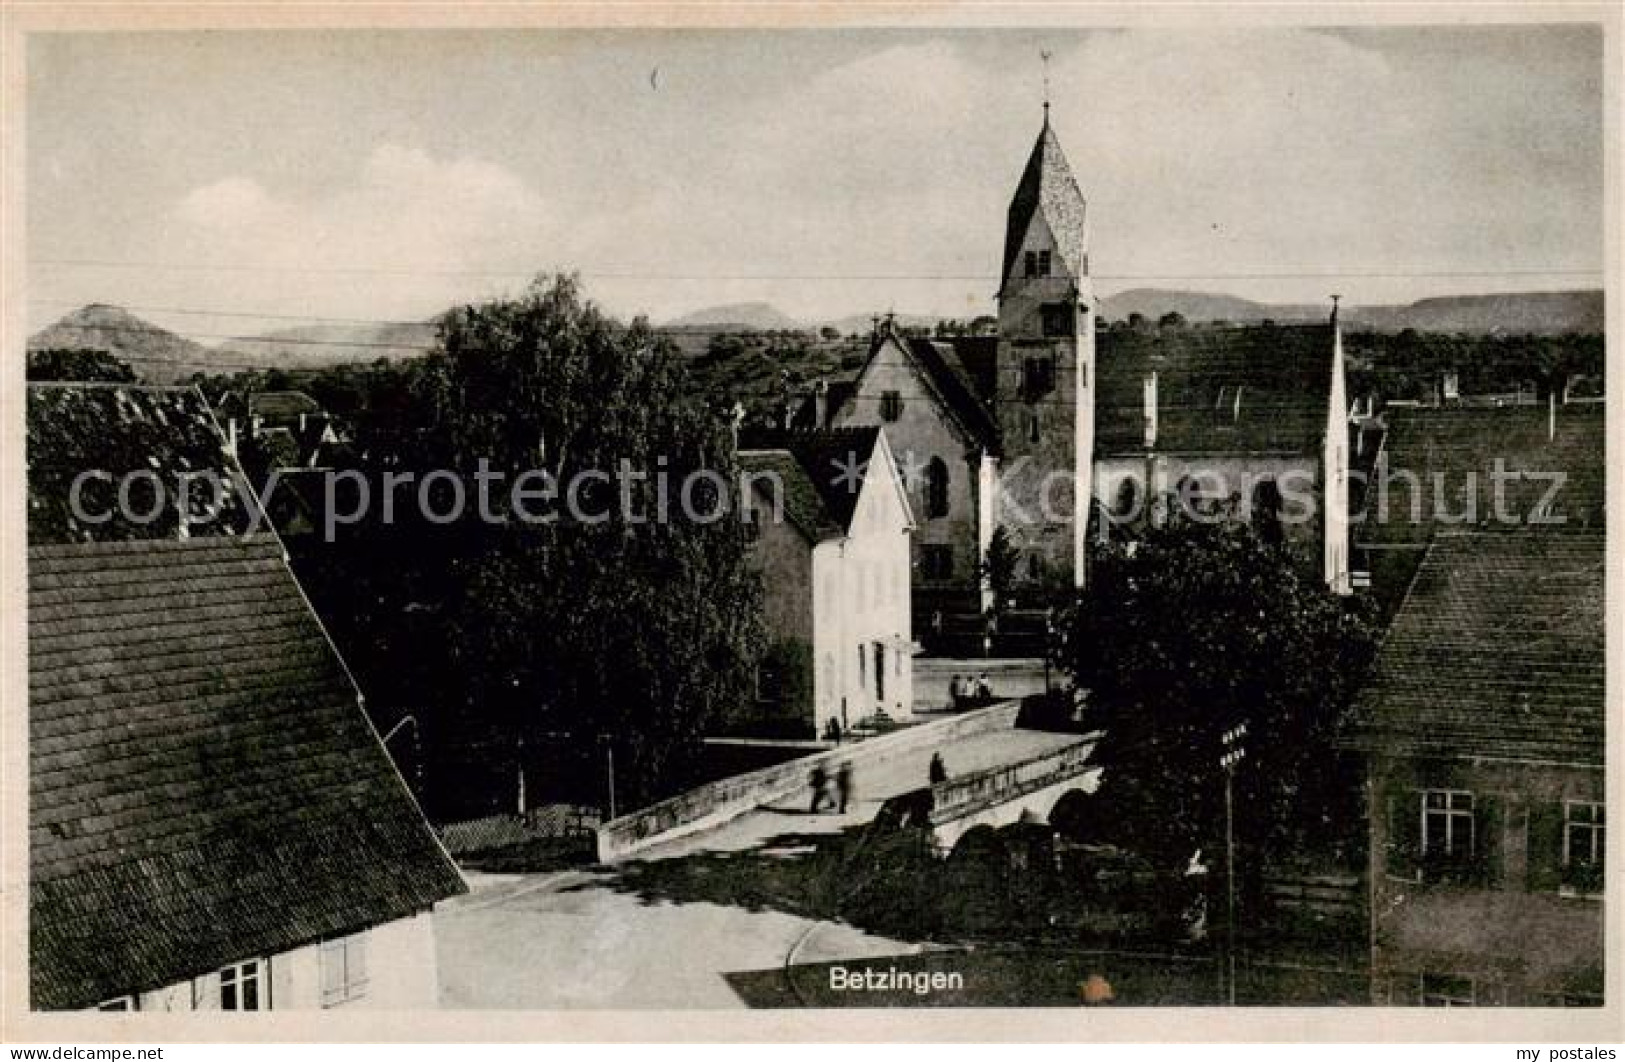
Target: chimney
1151,410
821,404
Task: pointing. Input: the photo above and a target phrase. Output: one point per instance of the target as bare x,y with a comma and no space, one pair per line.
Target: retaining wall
717,802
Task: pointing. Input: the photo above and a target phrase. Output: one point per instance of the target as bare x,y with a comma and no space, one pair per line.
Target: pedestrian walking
939,770
956,691
984,687
843,786
818,782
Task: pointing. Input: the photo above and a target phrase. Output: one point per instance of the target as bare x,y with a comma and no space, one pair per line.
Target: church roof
1220,390
1048,188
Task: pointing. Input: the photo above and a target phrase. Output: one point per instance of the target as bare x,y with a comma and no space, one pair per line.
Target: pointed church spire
1048,196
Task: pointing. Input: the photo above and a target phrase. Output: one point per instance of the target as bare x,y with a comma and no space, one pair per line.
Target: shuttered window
344,969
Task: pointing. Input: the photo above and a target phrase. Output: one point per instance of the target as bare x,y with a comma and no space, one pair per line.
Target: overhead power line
1353,273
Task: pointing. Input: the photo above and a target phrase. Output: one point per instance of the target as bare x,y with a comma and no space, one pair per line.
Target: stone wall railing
958,797
717,802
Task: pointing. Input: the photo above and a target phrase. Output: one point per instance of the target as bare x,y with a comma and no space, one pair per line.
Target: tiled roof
282,405
821,491
1453,454
204,787
803,506
1496,652
959,389
1220,390
119,430
1047,187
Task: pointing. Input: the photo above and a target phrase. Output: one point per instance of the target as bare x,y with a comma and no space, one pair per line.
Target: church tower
1043,398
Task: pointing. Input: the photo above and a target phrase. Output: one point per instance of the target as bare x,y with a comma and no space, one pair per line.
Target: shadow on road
803,874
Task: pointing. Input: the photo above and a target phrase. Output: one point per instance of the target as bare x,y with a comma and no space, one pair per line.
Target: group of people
819,782
963,688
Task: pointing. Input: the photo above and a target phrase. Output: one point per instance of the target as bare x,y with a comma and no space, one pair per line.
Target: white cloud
386,240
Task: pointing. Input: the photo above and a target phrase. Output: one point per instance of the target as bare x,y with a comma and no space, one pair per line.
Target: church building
1060,429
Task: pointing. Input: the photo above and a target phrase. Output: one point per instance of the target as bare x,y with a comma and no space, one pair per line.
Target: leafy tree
1171,319
78,365
523,637
1188,631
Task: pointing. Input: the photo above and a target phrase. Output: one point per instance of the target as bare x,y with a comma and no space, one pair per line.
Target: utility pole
609,756
1232,754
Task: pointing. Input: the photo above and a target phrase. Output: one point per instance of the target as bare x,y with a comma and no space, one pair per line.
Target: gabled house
213,822
1483,730
831,523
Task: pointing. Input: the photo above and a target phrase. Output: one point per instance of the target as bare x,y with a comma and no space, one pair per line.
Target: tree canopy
1193,629
78,365
518,635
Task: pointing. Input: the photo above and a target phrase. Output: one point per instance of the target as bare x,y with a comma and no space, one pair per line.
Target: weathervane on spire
1044,56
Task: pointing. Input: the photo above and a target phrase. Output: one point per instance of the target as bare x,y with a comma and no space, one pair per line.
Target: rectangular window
891,405
880,672
242,986
1444,990
1043,263
1447,829
1031,262
1584,844
344,968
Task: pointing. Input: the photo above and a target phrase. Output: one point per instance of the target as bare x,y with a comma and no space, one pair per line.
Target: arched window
936,488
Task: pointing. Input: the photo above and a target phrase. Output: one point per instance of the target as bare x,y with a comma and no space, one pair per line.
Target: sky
256,180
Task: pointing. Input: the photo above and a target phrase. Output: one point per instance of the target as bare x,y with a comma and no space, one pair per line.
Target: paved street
662,930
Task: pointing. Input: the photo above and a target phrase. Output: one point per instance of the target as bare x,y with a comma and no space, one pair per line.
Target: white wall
862,588
401,975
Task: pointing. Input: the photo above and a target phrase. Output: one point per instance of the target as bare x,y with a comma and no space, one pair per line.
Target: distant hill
1200,306
311,346
743,316
1536,312
156,355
